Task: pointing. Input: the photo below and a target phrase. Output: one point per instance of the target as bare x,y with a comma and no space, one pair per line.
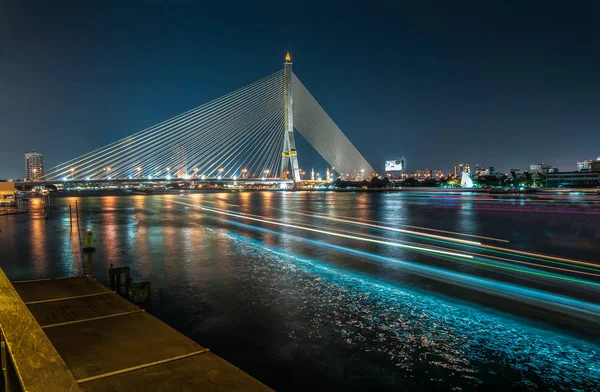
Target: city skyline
516,93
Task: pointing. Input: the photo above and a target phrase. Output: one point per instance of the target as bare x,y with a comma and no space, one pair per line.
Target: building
572,179
466,181
488,171
584,166
588,165
426,174
395,169
34,165
540,168
460,168
7,192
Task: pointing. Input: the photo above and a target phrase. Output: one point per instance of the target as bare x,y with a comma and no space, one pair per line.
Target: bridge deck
108,343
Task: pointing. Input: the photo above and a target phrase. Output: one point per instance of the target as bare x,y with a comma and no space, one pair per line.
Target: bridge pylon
289,156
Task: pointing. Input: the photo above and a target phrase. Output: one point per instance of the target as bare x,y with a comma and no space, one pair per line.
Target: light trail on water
535,256
513,292
359,221
395,244
482,257
464,257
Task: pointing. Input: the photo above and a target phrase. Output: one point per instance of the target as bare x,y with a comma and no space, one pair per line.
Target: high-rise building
460,168
426,174
584,166
541,168
489,171
34,165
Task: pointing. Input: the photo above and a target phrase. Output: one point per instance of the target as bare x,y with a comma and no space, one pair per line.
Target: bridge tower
289,156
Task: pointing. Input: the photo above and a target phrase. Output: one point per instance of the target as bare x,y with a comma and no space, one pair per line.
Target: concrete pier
79,335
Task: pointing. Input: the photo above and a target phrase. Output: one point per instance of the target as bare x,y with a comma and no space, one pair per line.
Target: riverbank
441,191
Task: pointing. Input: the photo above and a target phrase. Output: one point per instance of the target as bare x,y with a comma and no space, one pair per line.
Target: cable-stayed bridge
247,134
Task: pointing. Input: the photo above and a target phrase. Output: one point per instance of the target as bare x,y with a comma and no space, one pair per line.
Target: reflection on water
38,240
300,309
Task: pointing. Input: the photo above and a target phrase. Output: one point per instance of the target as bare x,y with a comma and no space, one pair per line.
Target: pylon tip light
288,58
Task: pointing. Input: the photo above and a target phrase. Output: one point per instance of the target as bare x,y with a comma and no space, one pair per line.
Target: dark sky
504,83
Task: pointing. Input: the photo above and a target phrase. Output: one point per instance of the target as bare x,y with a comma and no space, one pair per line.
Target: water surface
277,294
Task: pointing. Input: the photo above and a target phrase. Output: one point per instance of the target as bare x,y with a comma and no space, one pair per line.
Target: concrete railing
29,360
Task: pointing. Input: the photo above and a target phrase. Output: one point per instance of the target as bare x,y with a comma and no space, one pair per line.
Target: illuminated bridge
245,135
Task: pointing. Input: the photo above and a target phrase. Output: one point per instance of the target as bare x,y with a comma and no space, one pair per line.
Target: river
349,291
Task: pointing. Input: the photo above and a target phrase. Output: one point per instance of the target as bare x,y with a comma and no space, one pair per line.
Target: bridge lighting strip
395,244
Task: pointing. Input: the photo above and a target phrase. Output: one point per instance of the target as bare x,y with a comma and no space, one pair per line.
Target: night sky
499,83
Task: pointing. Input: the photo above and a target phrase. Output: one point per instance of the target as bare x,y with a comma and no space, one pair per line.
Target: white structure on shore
466,181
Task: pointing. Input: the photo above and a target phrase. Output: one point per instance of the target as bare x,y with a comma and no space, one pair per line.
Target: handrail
37,364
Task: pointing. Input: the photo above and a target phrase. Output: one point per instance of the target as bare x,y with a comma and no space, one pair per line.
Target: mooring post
127,282
111,275
118,283
77,214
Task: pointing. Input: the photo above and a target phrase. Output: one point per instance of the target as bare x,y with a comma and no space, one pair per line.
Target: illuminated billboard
391,166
